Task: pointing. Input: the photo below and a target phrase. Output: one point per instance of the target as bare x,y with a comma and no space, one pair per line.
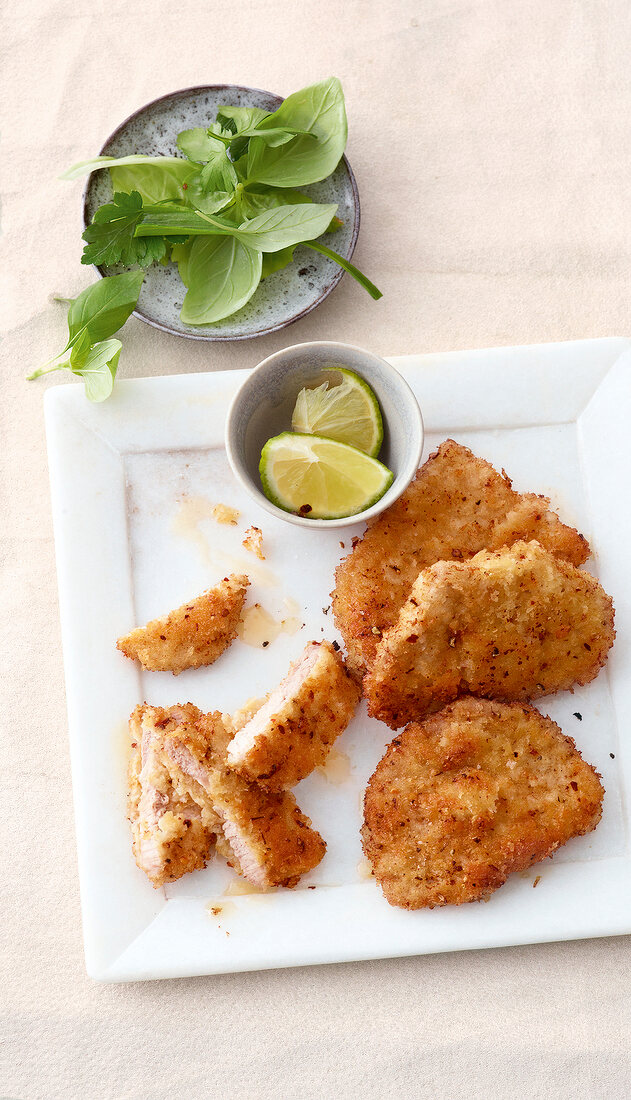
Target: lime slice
345,410
320,478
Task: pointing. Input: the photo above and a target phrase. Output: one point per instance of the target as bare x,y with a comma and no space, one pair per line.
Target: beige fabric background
492,145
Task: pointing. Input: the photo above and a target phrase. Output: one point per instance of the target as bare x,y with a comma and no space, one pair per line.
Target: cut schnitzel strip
510,624
464,798
193,635
292,732
457,505
169,835
263,835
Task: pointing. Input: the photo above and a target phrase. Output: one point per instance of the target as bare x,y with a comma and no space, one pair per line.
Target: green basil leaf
241,167
276,261
284,226
222,275
209,202
80,350
319,110
268,232
83,167
237,119
218,173
101,309
245,122
255,202
98,369
199,144
155,182
180,254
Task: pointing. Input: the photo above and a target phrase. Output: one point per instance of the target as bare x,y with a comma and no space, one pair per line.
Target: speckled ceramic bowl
282,297
264,403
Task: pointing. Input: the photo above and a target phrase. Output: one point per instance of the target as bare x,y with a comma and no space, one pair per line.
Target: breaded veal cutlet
293,730
169,835
263,835
457,505
195,634
510,624
469,795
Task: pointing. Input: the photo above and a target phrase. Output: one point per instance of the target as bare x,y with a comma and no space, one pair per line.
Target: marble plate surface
281,298
134,481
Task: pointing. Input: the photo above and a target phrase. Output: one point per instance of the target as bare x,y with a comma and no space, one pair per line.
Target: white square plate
133,483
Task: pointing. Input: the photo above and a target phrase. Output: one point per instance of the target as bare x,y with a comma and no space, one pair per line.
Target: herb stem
362,279
42,370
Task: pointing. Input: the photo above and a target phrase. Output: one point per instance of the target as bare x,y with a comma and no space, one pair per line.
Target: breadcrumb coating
263,835
457,505
469,795
169,835
511,624
193,635
292,732
253,542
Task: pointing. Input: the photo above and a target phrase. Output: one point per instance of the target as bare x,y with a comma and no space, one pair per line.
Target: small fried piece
511,624
457,505
169,837
292,732
264,836
193,635
466,797
253,542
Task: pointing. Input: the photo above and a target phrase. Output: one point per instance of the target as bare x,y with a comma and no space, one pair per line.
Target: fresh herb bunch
93,318
227,211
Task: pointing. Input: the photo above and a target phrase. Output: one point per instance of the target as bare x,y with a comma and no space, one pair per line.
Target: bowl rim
208,337
347,521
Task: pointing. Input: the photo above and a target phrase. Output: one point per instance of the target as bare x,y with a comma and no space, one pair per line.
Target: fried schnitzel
457,505
193,635
263,835
293,730
469,795
169,835
515,623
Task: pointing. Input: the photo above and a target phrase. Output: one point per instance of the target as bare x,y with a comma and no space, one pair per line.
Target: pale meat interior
245,739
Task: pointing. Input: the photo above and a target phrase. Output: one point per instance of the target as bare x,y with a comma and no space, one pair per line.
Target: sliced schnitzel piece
263,835
193,635
457,505
515,623
169,836
292,732
469,795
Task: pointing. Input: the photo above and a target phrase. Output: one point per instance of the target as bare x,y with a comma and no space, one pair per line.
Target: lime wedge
343,407
320,478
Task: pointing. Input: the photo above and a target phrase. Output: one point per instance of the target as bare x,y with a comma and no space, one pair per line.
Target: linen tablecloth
492,148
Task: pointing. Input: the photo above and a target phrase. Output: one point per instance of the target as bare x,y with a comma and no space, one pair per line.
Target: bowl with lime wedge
324,434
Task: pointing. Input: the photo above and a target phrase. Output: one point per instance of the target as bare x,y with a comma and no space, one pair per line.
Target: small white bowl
263,406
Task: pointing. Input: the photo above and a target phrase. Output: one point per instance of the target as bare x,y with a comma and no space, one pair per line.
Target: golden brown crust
512,624
469,795
253,542
457,505
304,722
265,826
193,635
264,836
169,835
